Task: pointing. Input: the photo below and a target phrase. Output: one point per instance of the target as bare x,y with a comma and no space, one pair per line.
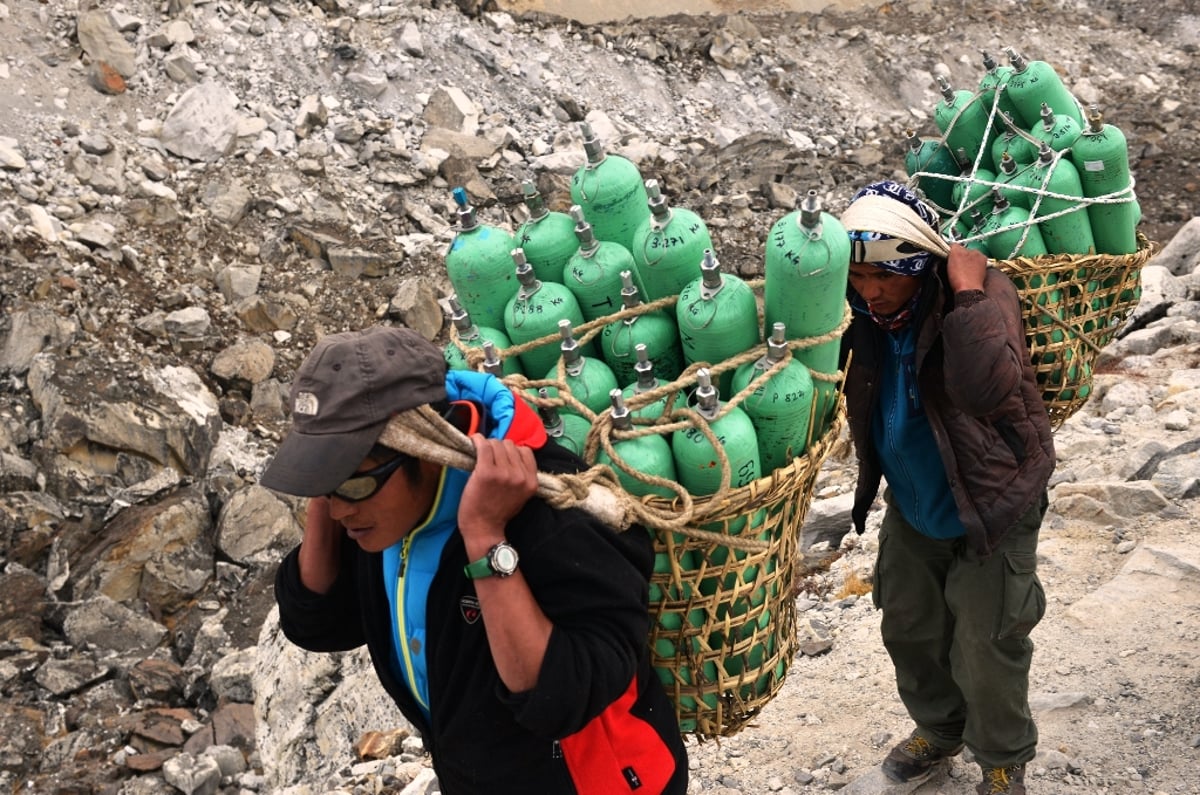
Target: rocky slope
191,194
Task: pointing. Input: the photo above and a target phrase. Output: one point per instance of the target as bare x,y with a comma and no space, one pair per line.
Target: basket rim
1020,266
800,467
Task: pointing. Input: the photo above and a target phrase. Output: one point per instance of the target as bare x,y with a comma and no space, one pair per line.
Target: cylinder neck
466,213
1047,114
534,201
989,63
583,232
710,274
777,345
460,317
630,297
708,400
657,202
1095,119
947,91
525,274
569,346
1016,59
644,369
1008,166
591,145
999,202
551,420
620,412
491,360
912,141
1045,155
810,211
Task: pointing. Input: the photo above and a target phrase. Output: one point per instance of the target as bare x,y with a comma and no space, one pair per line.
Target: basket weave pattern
724,632
1073,306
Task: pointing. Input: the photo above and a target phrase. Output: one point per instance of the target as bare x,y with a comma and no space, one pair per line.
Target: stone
102,42
450,108
203,124
10,158
105,79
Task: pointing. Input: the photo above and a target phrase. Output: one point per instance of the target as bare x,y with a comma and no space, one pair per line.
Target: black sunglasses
363,485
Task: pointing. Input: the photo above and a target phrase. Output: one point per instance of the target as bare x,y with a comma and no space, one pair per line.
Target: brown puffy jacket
981,397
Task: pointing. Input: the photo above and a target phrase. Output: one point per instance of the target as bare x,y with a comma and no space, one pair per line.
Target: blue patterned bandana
883,250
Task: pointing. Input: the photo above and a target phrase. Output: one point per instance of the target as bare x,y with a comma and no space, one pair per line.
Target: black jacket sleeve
318,622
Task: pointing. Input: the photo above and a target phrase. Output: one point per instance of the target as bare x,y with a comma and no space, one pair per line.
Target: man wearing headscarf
944,405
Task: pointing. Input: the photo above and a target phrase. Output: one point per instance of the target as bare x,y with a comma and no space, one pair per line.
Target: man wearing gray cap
512,635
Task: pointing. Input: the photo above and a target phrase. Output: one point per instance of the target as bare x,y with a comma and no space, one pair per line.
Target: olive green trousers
957,629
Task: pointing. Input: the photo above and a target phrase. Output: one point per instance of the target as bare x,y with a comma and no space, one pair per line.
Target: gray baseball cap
343,395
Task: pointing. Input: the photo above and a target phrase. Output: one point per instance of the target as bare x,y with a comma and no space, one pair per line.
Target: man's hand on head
966,268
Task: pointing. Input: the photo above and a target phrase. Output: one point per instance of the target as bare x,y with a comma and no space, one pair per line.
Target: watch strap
487,565
479,568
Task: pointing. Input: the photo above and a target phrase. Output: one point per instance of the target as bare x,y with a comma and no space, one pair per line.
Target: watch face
504,559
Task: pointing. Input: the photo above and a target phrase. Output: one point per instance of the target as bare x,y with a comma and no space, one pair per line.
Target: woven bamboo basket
1074,305
724,632
722,593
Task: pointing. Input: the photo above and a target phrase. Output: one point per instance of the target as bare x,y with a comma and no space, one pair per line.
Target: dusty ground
1114,688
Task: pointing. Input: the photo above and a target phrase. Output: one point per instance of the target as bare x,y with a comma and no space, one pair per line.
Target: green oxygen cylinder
1057,130
1034,82
1009,232
647,380
993,81
547,238
929,156
781,408
479,266
593,273
648,455
534,313
978,219
1014,142
589,379
717,316
975,190
807,266
1057,177
568,430
963,120
1101,156
492,363
654,330
697,462
955,229
473,336
610,191
667,245
1010,180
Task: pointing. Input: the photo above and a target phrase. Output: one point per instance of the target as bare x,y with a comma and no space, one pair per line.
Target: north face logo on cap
306,403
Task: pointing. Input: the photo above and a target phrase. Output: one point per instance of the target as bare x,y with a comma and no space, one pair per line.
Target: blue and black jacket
598,720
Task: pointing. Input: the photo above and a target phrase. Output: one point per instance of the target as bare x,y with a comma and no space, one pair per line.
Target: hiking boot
1003,781
914,759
